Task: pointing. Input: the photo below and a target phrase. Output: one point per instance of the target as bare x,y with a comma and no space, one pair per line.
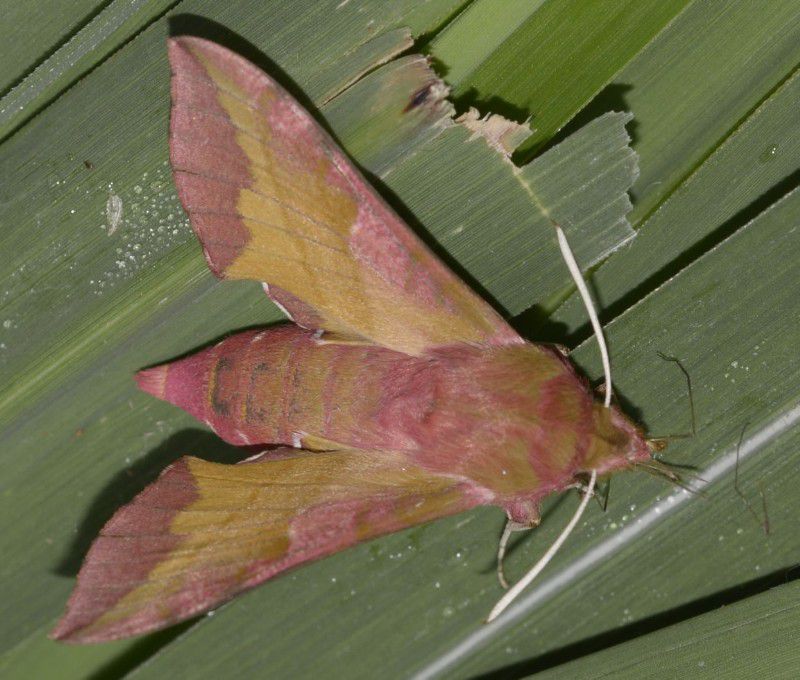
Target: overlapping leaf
712,91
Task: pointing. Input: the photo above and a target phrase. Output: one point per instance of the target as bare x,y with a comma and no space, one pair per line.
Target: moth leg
599,494
510,527
525,581
563,350
327,338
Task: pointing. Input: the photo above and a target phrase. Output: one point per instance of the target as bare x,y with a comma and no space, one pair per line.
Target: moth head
617,443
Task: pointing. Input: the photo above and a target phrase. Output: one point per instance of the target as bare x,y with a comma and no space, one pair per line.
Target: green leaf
755,164
713,92
84,307
658,551
425,592
582,184
697,81
101,34
755,637
89,301
36,31
545,59
468,186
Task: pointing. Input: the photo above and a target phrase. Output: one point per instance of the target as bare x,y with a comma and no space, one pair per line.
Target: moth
396,396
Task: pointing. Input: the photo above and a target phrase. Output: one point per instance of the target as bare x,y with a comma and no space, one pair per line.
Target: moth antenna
661,442
510,527
583,289
765,522
525,581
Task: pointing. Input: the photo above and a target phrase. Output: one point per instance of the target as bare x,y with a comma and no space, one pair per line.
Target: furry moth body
397,395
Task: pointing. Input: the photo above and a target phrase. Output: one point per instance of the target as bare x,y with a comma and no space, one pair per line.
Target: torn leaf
501,133
456,178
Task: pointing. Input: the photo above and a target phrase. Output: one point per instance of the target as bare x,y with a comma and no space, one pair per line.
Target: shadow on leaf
126,484
598,643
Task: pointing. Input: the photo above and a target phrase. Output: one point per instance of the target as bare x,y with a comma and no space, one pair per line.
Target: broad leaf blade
89,298
744,175
752,638
692,86
545,59
84,441
657,549
35,31
103,32
438,581
82,312
582,182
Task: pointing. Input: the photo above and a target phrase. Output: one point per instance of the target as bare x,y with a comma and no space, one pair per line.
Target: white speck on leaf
113,212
